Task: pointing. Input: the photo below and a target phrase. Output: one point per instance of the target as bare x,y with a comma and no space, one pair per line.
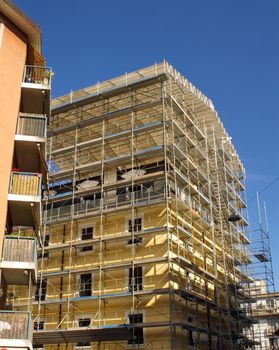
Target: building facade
24,110
144,242
265,312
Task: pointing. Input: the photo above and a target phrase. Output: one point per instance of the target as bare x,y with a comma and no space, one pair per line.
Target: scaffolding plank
261,257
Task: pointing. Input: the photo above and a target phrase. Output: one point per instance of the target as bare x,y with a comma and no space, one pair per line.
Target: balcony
15,329
24,199
19,260
36,86
30,141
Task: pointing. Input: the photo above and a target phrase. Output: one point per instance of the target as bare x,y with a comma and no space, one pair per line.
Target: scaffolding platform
65,336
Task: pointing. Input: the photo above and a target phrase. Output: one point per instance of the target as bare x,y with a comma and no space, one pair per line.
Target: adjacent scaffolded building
264,299
144,222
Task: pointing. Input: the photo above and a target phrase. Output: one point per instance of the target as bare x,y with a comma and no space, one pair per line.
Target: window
137,331
85,285
205,214
84,322
135,278
86,233
195,205
190,337
188,281
46,244
41,290
39,326
135,226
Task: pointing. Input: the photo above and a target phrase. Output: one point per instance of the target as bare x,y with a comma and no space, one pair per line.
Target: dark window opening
135,278
59,204
91,197
66,186
39,326
41,290
190,337
61,187
125,192
85,288
86,233
84,322
137,191
137,331
83,201
136,227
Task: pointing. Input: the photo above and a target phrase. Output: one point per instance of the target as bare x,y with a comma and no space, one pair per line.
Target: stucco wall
13,50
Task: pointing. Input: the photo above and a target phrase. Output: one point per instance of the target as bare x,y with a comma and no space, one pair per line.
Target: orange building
24,109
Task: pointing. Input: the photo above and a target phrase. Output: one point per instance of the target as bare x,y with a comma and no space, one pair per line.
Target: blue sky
228,48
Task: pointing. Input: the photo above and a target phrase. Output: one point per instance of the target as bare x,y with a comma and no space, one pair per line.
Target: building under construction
144,236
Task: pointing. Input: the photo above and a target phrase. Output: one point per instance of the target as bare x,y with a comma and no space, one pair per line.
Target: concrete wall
13,51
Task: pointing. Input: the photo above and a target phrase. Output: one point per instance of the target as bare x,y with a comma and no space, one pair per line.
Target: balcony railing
15,325
19,260
26,184
139,198
31,125
17,249
38,75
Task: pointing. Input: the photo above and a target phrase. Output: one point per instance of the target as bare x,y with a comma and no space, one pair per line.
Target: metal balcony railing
26,184
139,197
31,125
38,75
15,325
17,249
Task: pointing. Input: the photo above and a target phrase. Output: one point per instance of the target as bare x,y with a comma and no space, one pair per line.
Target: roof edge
23,22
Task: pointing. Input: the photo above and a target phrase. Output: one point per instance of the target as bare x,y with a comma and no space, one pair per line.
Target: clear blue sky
228,48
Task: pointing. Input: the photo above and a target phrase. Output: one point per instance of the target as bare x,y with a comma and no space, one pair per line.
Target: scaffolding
145,221
263,296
